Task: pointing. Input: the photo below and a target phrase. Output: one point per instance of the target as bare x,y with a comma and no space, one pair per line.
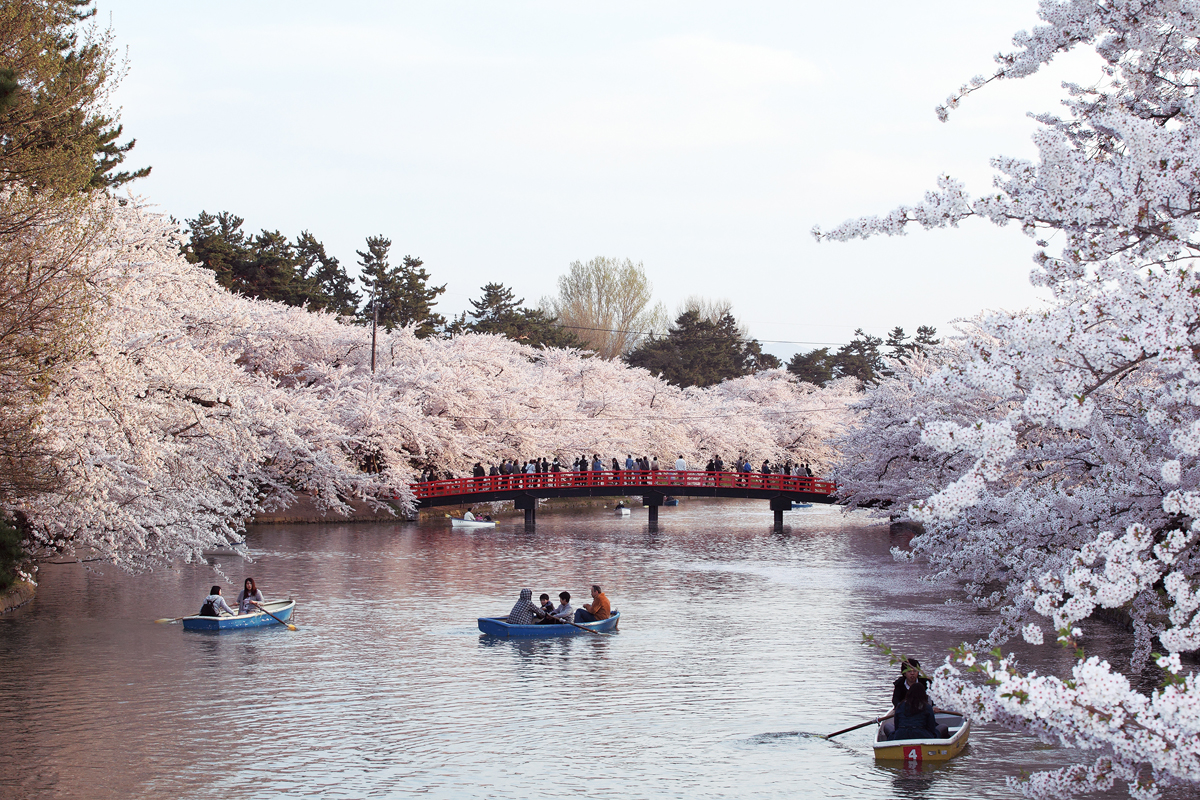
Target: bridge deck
652,484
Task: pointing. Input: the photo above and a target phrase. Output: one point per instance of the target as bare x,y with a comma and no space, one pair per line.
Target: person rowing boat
249,597
915,717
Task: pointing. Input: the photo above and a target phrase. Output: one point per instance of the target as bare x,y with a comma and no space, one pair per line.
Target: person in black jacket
910,675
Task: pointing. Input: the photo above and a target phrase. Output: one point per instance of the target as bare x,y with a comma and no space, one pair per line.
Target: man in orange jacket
596,610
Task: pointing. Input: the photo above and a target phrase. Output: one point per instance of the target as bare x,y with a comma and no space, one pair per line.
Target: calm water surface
738,646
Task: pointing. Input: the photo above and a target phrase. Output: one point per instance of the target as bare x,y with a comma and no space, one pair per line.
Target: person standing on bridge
629,462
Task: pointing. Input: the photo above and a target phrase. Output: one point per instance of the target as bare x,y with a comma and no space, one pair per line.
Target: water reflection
739,647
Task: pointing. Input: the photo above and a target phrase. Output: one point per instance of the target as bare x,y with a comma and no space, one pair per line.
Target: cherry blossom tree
1052,455
190,408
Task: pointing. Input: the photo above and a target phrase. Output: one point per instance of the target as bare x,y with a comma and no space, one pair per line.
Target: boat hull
915,751
496,626
281,608
455,522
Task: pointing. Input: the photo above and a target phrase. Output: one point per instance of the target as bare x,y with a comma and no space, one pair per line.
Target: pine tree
326,284
701,352
402,293
268,266
218,243
898,342
55,74
271,271
925,335
499,311
815,366
496,310
860,358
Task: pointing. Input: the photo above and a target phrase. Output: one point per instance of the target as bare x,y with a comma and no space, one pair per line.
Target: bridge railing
627,481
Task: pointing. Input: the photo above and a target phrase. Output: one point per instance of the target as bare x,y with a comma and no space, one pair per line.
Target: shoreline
305,512
17,595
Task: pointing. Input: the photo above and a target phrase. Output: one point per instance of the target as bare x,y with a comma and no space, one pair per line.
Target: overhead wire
643,419
696,338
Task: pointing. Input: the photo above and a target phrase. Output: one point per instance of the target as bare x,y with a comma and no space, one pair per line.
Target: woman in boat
522,611
214,604
248,596
914,717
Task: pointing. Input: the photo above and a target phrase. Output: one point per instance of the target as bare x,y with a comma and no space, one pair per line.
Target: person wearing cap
910,675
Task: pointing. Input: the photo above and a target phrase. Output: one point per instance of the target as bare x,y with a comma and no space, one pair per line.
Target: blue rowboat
497,626
280,608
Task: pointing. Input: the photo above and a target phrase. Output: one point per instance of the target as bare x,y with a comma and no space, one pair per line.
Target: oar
287,625
168,620
854,728
576,624
876,721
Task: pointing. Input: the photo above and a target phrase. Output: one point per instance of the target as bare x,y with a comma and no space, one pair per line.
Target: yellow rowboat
916,751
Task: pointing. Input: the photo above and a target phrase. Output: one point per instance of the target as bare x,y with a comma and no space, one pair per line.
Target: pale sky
499,141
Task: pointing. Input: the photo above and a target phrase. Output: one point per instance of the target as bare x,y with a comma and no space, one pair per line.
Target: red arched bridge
654,486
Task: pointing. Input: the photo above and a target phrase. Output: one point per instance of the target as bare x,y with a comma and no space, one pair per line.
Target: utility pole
374,324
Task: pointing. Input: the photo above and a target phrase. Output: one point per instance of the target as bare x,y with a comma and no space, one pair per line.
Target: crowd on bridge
584,464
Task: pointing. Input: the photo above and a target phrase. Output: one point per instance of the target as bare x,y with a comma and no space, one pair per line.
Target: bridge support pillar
529,506
652,501
780,505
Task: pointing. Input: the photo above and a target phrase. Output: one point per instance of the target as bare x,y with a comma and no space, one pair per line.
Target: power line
643,419
697,338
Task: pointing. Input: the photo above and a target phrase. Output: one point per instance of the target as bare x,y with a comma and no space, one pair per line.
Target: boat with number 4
455,522
915,751
498,626
281,608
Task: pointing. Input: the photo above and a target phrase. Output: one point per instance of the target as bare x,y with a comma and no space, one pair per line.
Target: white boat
622,511
456,522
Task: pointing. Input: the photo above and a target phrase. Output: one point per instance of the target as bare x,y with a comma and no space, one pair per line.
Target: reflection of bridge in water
525,489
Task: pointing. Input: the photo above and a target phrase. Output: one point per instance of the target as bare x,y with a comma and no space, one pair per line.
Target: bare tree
606,303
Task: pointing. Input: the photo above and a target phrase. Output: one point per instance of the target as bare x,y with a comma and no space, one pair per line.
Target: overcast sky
499,141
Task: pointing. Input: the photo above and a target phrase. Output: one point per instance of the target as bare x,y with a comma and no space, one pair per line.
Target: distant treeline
602,305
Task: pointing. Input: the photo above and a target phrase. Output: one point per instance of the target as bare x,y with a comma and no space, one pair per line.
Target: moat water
738,647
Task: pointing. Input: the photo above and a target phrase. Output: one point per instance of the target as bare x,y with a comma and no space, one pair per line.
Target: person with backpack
214,604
